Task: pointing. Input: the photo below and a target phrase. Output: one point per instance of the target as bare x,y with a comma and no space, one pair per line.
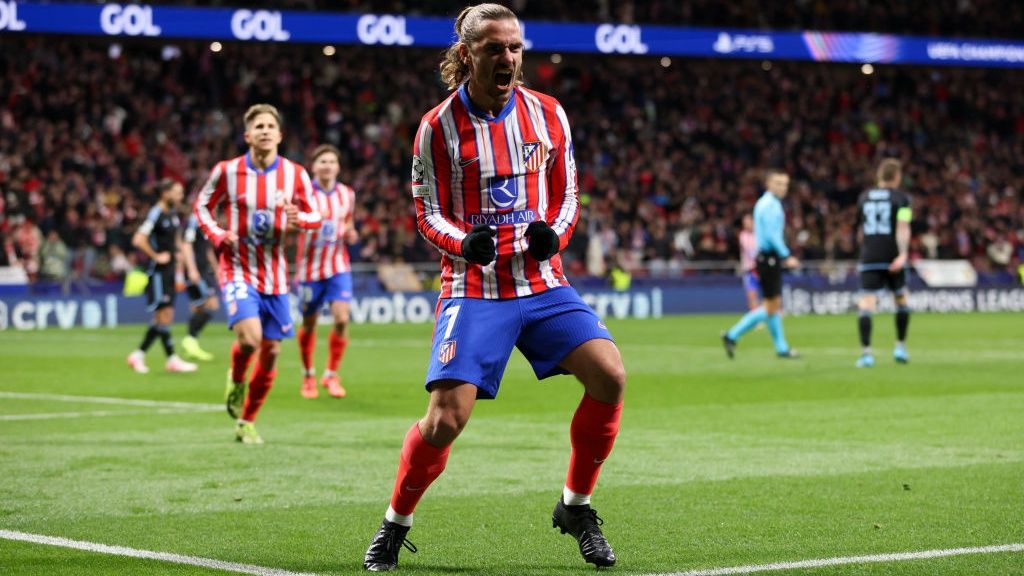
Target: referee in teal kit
772,255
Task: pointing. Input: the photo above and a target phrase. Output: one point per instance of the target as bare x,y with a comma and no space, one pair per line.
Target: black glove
543,240
478,245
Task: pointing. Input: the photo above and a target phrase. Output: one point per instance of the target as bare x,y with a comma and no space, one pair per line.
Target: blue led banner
158,21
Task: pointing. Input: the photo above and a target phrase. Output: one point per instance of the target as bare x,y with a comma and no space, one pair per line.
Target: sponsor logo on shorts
601,325
446,351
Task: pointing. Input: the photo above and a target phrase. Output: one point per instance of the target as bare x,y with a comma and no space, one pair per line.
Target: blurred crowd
960,18
670,152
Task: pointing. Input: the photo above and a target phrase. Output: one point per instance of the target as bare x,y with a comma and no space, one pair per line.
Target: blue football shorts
474,337
273,310
313,295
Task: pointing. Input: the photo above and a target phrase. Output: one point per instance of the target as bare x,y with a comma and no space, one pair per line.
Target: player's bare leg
598,365
424,455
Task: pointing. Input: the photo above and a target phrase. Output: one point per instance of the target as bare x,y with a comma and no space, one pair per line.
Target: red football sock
592,433
336,350
420,464
262,379
239,362
307,342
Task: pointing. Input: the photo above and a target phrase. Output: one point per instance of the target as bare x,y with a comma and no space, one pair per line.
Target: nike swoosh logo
463,162
286,327
599,461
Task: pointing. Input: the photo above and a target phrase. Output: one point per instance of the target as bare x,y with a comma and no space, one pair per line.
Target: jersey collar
252,166
328,191
478,112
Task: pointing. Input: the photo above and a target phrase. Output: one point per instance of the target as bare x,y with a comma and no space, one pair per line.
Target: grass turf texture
719,463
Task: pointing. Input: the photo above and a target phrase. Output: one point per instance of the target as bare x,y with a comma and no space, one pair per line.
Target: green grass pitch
719,463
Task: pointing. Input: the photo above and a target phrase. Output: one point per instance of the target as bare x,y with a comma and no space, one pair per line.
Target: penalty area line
838,561
147,554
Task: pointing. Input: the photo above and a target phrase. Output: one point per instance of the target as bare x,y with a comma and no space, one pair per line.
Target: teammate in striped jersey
324,271
261,197
494,184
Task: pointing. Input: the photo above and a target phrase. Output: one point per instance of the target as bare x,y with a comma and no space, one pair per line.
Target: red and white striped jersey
251,202
322,252
506,171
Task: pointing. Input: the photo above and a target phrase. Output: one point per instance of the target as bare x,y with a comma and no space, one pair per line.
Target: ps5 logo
621,39
9,17
259,25
386,29
131,20
729,43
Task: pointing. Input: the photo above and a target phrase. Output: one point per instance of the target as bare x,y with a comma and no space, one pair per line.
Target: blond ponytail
455,71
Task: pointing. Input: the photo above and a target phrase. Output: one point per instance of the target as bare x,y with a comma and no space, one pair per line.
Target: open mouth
503,79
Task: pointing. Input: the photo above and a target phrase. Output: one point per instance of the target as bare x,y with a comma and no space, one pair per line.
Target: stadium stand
669,157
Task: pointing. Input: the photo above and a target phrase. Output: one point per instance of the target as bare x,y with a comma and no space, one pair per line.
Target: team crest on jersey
417,170
533,156
446,352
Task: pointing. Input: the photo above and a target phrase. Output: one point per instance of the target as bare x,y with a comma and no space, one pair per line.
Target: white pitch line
103,413
107,400
823,562
147,554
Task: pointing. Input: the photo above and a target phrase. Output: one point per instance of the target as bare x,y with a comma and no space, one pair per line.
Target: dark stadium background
670,156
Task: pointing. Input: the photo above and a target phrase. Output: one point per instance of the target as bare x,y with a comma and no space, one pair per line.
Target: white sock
310,372
328,373
392,516
570,498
